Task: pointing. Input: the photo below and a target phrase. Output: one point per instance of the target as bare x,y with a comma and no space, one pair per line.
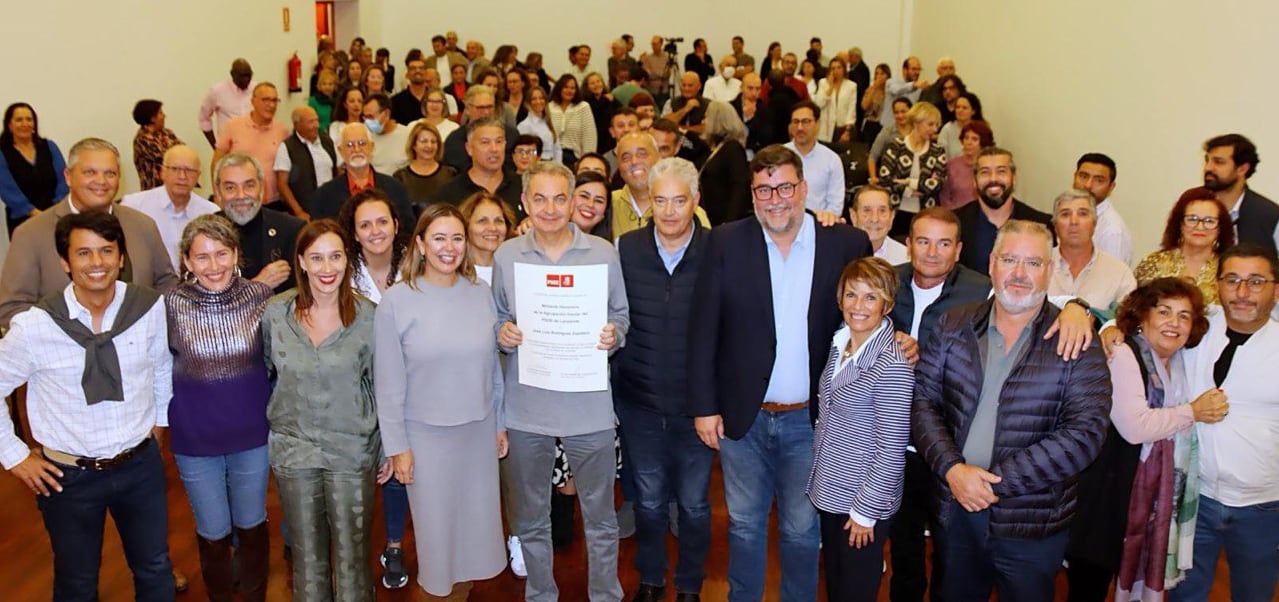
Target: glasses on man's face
352,144
1010,262
803,121
1256,284
785,190
183,171
526,152
1209,223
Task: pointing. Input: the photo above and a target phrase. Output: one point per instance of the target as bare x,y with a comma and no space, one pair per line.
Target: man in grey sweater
535,417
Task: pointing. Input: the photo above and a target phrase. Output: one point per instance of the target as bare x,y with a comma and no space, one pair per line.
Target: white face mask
728,72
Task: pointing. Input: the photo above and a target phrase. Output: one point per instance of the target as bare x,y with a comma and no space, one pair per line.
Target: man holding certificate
562,309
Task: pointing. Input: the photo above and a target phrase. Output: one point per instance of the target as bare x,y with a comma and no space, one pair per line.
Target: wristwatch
1081,302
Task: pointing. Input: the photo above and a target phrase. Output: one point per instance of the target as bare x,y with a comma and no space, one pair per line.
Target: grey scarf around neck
101,380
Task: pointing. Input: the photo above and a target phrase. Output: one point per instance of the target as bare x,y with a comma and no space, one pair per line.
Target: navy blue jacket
1052,419
733,342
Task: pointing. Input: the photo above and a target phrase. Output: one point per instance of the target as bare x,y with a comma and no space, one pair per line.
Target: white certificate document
561,311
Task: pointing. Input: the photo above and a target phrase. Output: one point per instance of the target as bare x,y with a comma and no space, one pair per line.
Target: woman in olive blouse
324,445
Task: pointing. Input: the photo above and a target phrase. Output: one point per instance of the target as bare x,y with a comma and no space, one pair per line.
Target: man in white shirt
1095,173
173,204
94,406
389,137
873,212
1079,269
441,59
304,162
1238,456
227,99
725,86
823,170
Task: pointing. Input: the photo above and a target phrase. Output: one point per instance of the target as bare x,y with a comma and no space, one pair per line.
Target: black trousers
1087,580
852,574
910,579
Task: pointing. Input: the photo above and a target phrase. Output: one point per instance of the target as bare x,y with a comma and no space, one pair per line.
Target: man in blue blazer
763,317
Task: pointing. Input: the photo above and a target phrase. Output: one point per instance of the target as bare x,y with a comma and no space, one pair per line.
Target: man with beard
267,236
789,64
759,339
406,106
909,86
996,178
1229,161
356,147
632,208
1006,426
33,268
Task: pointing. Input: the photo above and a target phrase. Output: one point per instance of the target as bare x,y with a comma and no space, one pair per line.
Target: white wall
551,26
1145,82
83,65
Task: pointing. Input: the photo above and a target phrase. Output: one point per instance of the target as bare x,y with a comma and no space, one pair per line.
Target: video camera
671,47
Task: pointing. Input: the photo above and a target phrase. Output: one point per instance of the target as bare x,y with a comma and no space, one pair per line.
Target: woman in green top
324,445
322,100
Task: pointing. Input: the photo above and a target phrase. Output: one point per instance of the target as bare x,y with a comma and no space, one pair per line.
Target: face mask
728,72
374,125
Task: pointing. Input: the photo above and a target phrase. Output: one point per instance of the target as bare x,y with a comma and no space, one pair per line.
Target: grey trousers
329,512
594,461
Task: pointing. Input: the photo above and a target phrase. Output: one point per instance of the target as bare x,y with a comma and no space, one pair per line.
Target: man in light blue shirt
823,169
173,204
909,86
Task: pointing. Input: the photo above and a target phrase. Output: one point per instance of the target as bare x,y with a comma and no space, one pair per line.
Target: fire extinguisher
295,73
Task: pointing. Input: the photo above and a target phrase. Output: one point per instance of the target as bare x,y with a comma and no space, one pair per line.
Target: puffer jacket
1052,419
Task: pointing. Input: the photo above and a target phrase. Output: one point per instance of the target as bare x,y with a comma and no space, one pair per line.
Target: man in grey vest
304,162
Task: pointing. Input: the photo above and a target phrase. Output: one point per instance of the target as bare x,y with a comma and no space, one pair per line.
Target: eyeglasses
526,152
1209,223
1256,284
270,100
803,121
183,171
1010,262
784,190
355,144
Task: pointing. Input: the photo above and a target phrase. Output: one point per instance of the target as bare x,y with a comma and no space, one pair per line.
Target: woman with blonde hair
439,390
913,167
425,174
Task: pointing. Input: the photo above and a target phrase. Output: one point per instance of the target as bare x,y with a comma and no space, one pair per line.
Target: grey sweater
541,411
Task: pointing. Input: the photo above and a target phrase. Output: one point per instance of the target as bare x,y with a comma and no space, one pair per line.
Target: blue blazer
732,342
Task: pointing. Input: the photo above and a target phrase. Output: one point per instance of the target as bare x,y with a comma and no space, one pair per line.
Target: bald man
632,207
304,162
172,204
689,108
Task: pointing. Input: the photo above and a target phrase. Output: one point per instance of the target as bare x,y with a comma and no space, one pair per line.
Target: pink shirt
241,135
1133,418
226,101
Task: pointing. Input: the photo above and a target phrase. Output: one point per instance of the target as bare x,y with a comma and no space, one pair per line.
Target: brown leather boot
255,562
215,567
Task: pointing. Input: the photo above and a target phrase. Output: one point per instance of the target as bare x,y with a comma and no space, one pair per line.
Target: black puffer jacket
1052,419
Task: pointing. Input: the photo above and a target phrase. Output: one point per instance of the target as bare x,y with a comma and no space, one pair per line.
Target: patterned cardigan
896,164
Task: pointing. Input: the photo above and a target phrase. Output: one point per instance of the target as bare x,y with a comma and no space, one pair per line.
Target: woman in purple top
217,418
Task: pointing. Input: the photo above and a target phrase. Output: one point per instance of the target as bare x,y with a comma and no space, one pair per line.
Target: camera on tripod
671,47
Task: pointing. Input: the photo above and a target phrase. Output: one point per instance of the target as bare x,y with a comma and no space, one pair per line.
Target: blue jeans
971,561
772,460
225,491
1251,537
667,461
395,509
134,495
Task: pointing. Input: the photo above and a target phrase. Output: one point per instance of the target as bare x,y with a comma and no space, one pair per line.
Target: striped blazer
863,426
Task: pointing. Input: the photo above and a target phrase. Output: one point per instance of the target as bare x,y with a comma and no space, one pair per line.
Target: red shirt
357,187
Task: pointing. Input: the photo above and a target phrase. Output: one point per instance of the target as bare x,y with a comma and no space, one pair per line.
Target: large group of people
922,354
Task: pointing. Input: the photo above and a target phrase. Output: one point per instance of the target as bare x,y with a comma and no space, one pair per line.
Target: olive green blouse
322,411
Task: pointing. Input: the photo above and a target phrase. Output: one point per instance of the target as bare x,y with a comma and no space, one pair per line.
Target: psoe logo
559,281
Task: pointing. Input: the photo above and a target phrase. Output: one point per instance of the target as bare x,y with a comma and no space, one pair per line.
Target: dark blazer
977,247
860,75
759,129
1051,422
732,340
269,236
961,287
455,147
1258,217
329,198
33,269
725,184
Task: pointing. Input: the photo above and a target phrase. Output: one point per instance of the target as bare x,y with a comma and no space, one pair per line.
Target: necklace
848,351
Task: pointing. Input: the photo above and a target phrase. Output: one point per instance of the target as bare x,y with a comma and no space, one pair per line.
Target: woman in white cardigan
572,119
837,97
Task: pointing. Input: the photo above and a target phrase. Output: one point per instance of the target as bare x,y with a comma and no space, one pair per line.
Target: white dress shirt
1234,215
225,101
157,204
1112,234
319,157
892,251
1239,456
36,351
824,172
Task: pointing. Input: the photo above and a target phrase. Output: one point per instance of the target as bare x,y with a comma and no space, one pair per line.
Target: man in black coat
356,148
267,236
762,325
996,178
1006,426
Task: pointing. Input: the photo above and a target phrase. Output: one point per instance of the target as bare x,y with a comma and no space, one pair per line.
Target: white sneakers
516,554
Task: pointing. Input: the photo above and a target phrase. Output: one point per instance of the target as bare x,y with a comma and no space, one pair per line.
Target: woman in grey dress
324,446
439,390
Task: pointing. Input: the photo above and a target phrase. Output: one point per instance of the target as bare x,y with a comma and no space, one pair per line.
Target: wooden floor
26,574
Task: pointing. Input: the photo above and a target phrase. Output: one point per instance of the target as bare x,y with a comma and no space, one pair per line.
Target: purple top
220,382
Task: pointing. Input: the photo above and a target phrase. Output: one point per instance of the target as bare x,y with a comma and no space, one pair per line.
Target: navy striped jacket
863,425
